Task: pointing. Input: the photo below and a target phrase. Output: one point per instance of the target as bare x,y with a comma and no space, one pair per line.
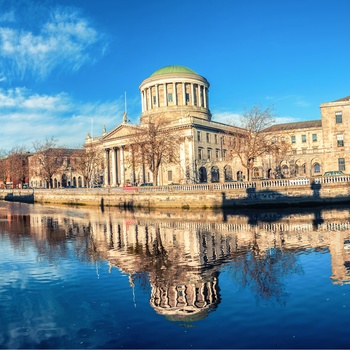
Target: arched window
64,180
317,168
303,167
55,183
255,173
228,173
202,174
79,182
300,169
215,176
285,170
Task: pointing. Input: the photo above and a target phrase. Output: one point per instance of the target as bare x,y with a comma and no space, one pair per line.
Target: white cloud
297,100
226,118
8,16
26,117
66,41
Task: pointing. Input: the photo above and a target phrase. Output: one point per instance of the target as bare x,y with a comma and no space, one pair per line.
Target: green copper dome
173,69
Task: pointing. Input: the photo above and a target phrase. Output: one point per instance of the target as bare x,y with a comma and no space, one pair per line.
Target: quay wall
280,193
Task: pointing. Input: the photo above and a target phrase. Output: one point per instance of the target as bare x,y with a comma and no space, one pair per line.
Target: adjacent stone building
317,146
60,167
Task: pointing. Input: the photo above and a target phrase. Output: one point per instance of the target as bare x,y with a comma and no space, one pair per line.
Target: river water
92,278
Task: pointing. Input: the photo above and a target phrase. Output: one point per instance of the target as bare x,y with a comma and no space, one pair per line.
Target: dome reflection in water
79,277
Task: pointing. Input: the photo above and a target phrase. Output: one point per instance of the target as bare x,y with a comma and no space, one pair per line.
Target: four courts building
179,97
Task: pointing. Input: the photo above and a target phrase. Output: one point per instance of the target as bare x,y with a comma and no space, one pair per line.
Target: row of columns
200,97
114,169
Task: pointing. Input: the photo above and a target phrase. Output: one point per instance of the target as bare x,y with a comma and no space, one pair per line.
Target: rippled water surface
86,278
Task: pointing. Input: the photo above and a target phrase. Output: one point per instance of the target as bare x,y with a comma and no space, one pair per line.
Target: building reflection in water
180,254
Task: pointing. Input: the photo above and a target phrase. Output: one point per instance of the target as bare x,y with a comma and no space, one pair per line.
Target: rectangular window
294,151
314,137
187,98
303,151
293,139
209,154
283,139
273,140
199,136
341,164
170,97
338,117
208,137
216,138
200,153
303,138
340,140
217,153
170,175
154,100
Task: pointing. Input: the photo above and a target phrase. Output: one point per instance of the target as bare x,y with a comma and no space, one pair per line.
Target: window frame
340,140
200,153
341,164
339,117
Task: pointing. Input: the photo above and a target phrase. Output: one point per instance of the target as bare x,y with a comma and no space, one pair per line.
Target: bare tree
89,164
155,143
50,158
256,142
3,167
17,165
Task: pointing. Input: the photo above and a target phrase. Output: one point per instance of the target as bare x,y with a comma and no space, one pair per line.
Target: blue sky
66,64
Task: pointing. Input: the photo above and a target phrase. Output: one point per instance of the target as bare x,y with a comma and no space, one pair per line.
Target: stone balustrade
280,192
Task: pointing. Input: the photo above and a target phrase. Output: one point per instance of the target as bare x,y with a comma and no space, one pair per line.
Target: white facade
181,97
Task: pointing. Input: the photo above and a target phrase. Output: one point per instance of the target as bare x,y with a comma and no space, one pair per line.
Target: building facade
317,146
57,169
180,96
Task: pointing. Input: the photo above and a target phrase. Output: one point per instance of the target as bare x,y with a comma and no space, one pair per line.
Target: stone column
184,94
142,101
117,151
175,94
149,99
199,103
106,156
157,96
205,97
114,168
165,96
122,167
192,93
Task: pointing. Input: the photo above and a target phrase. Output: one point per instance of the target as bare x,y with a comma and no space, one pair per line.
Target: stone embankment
263,194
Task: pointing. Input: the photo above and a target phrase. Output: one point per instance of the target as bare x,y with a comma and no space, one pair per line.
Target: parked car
333,173
147,184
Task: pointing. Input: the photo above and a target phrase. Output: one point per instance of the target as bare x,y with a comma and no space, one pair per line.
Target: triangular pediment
120,131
